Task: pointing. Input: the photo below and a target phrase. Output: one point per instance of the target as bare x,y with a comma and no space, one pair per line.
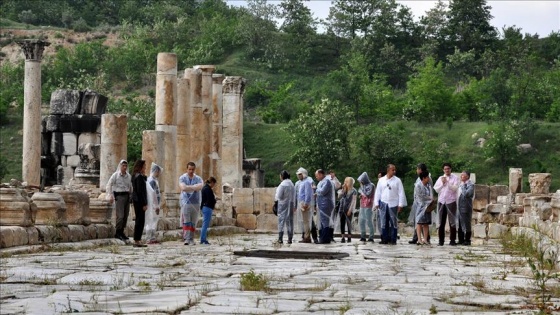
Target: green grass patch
11,146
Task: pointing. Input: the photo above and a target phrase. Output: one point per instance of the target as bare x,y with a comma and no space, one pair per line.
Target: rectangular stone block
100,211
263,200
51,123
11,236
267,223
79,123
64,174
51,209
105,230
15,208
73,160
505,200
498,190
57,146
69,143
482,217
77,206
515,180
496,208
93,103
243,201
519,209
89,137
76,233
479,231
519,198
247,221
65,102
481,197
508,219
496,230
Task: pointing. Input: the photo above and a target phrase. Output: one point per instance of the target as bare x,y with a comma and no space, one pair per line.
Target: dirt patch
11,52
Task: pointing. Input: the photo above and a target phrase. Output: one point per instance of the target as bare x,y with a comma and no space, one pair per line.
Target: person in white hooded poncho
305,201
285,198
154,202
367,191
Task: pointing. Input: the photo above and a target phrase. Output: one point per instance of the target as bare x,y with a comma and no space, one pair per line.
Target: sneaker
348,239
467,243
204,243
370,239
280,242
452,244
139,245
412,242
343,240
362,239
289,241
186,243
440,244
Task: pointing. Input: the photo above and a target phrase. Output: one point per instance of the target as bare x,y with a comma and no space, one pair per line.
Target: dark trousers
122,208
139,222
345,222
445,211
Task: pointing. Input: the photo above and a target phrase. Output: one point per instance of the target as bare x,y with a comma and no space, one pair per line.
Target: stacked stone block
71,137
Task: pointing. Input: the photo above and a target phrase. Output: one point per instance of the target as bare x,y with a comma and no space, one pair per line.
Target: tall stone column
31,157
195,118
153,148
113,146
206,123
166,121
183,112
232,141
217,125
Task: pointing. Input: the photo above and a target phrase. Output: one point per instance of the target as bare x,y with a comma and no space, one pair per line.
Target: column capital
33,48
234,85
206,69
218,78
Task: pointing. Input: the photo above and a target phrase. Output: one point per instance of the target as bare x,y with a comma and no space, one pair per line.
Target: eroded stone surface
175,279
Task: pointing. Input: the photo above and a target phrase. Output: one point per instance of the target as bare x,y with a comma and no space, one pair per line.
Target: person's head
190,168
139,167
465,176
332,173
348,183
211,181
155,170
301,173
447,169
284,175
421,167
123,165
424,177
391,170
320,174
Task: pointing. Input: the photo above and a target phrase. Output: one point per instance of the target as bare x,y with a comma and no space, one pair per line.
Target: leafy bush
253,282
81,25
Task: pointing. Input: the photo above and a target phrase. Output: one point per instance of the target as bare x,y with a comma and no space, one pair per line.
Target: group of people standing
379,206
144,193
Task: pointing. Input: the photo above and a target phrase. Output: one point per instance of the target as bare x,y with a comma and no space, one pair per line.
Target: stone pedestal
77,206
232,141
263,200
171,207
206,124
243,201
515,180
540,183
31,166
51,209
217,125
15,208
113,146
481,197
100,211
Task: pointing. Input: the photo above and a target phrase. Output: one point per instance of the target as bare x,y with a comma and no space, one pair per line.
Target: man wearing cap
119,190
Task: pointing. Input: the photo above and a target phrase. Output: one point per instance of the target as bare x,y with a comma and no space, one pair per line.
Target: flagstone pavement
109,277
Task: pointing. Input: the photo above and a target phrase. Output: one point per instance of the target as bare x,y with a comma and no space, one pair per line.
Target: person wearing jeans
208,203
190,185
367,190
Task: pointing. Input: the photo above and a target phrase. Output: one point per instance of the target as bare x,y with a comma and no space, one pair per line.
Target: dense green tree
433,26
321,135
299,27
258,32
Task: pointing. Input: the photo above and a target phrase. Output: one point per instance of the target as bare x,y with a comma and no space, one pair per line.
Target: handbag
275,208
432,206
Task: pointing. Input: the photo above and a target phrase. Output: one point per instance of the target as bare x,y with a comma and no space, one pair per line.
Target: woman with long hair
208,203
139,200
346,208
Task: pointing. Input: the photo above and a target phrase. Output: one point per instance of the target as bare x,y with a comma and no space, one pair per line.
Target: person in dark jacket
139,200
465,205
208,203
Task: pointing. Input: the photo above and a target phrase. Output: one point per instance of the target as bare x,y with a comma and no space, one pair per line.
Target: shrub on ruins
11,88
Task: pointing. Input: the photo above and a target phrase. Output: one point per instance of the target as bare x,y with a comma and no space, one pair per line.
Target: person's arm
402,196
109,189
352,205
377,195
454,183
439,185
190,188
468,191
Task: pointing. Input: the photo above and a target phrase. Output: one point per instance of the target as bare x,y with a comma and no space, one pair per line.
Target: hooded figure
305,203
366,217
154,203
285,198
119,190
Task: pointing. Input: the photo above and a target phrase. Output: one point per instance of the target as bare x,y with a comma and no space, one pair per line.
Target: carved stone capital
234,85
218,78
33,48
206,69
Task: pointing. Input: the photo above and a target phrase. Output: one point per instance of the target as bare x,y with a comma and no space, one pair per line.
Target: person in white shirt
119,191
446,186
389,200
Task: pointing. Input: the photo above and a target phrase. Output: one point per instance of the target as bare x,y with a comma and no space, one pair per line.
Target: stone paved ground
175,279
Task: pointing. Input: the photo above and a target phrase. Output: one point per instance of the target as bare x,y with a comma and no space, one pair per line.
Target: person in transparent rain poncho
154,203
365,217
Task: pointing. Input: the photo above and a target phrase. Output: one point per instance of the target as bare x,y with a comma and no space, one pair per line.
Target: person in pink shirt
446,186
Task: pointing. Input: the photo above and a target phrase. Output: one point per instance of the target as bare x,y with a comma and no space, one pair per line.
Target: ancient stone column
232,141
515,180
153,149
113,145
166,106
540,183
31,166
217,125
183,112
206,124
195,117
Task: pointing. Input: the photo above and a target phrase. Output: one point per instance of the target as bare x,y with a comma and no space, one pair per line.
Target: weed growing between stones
541,256
115,249
254,282
433,309
344,308
144,286
320,286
